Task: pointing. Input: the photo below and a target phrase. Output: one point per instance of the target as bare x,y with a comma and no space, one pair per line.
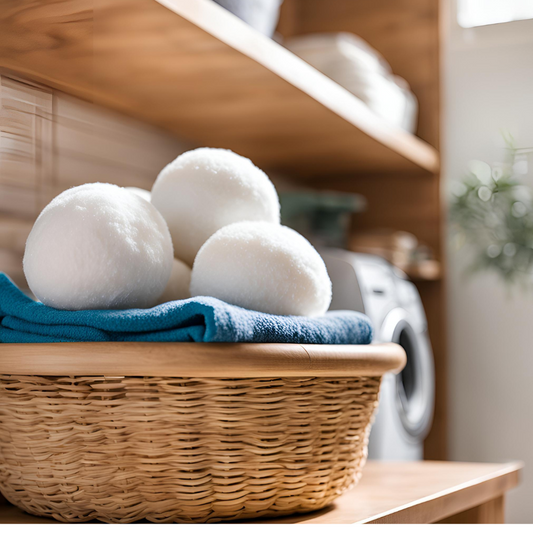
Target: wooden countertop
415,493
410,492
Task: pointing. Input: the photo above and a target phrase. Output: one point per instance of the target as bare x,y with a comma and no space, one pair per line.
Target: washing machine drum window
415,384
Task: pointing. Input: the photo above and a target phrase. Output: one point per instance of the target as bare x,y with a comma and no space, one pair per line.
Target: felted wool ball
98,246
178,286
143,193
206,189
264,267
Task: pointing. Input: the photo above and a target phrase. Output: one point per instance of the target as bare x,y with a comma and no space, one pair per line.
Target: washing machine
371,285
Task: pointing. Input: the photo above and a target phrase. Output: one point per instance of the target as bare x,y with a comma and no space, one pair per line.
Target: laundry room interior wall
489,87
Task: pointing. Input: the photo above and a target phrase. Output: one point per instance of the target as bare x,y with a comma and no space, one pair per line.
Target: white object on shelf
262,15
356,66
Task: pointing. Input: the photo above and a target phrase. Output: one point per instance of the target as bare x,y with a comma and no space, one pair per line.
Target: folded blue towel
201,319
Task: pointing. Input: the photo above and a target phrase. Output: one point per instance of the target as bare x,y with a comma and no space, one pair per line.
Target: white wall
489,86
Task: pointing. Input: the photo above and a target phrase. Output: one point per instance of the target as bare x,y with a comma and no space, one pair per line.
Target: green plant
491,213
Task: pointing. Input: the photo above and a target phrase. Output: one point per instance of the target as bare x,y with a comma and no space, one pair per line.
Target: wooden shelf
392,493
198,71
429,270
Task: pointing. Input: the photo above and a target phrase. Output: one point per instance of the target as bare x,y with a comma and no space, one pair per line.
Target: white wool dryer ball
143,193
98,246
178,286
206,189
264,267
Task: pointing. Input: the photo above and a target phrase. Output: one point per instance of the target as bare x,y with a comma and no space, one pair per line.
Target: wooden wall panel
396,202
25,145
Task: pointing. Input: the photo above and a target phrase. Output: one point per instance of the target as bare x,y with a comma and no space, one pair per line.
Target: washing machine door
415,384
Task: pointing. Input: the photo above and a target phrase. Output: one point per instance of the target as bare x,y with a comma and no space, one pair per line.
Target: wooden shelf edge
456,499
430,270
215,20
414,492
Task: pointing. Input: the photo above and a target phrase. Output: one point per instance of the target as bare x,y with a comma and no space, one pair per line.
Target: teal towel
201,319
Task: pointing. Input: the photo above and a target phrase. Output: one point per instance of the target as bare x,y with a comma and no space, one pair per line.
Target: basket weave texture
181,449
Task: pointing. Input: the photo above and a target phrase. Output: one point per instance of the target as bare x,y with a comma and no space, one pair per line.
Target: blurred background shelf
206,76
425,271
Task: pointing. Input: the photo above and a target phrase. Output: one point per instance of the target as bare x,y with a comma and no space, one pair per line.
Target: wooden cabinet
146,73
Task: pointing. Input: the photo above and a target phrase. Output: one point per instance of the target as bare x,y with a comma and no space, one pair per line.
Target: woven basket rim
200,359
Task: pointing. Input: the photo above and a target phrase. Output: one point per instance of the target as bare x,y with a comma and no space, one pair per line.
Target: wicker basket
109,431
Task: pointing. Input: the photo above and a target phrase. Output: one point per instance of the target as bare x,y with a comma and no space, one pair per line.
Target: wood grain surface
51,141
491,512
201,73
200,359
